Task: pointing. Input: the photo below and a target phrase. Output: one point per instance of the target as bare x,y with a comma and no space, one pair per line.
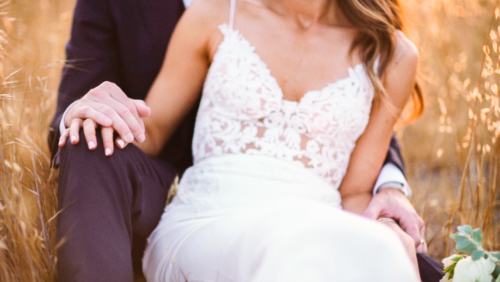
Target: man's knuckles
123,110
97,94
110,87
83,112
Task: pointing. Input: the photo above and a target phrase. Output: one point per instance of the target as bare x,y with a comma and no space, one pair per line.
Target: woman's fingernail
61,142
107,152
73,139
129,137
91,145
121,143
141,138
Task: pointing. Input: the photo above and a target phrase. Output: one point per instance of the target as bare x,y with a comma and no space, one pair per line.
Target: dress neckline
225,28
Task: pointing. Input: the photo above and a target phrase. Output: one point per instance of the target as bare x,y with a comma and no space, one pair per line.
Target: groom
110,200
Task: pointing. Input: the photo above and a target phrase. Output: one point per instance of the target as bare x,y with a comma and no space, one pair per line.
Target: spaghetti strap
231,13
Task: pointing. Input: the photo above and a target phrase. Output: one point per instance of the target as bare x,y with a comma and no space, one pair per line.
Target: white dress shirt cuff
62,125
187,3
391,177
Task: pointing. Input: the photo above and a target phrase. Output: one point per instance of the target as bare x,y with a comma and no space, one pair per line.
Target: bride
298,106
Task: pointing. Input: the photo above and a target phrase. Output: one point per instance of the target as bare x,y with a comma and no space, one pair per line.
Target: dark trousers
110,205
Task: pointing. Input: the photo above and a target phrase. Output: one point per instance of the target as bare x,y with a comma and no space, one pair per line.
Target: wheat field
451,153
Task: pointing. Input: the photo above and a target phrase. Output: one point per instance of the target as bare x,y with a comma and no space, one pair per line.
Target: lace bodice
242,111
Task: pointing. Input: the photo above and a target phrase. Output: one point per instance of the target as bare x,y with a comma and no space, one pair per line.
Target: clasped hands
109,107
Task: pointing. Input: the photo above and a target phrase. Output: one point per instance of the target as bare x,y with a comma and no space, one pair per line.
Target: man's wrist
391,177
392,193
392,185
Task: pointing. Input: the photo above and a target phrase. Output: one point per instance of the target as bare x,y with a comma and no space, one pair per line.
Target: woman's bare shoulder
209,12
405,52
200,23
402,69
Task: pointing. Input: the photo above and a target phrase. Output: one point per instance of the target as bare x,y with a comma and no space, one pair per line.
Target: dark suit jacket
124,41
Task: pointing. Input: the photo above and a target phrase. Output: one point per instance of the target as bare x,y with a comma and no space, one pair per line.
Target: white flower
446,278
447,262
472,271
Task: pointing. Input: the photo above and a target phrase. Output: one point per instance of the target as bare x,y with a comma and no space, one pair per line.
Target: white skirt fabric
256,218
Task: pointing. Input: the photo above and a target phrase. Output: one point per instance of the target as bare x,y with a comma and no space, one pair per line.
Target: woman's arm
180,80
370,151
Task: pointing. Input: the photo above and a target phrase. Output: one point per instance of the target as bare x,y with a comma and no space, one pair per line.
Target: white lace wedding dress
261,202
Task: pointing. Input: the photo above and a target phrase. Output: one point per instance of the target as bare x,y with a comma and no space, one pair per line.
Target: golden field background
451,153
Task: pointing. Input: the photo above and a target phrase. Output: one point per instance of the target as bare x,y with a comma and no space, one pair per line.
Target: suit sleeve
92,56
394,155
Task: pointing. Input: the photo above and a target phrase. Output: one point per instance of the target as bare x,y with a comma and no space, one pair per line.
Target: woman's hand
407,242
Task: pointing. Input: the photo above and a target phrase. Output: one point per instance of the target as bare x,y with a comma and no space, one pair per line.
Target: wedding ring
422,241
386,219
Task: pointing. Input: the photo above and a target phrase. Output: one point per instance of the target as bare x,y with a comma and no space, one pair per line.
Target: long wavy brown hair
377,21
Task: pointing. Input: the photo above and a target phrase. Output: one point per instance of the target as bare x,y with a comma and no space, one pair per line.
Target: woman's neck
309,12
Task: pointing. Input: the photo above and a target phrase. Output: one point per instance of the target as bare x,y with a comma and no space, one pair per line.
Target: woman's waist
240,179
259,167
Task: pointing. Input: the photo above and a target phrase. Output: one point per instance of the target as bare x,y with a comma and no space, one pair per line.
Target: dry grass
32,37
452,152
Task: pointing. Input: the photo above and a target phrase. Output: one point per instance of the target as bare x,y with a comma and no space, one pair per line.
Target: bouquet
472,263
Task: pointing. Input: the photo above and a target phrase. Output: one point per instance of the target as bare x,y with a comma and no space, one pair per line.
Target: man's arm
390,197
91,58
392,174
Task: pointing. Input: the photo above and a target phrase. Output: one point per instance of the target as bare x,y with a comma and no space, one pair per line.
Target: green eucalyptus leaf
465,229
477,235
466,245
477,254
498,279
455,236
469,249
495,254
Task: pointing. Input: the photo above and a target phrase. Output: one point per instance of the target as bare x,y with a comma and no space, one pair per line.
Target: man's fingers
421,223
89,127
119,125
117,94
373,210
142,109
63,138
126,108
107,140
409,223
74,130
88,111
406,241
422,248
130,117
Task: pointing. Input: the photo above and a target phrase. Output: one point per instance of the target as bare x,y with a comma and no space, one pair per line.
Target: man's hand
407,242
107,106
394,204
